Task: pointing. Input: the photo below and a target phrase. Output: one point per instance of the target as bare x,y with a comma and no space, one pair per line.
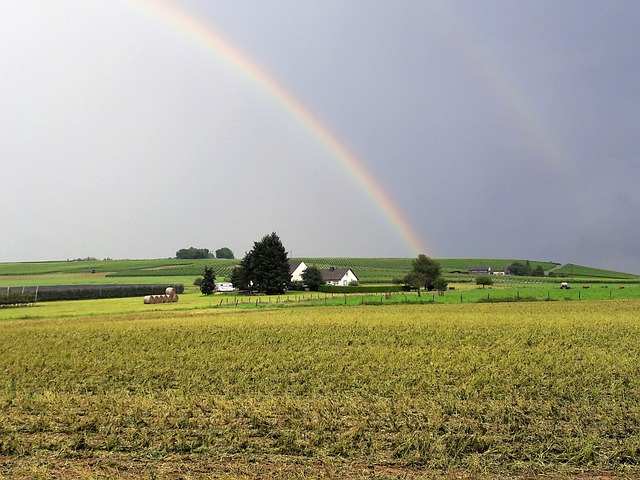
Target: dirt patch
200,467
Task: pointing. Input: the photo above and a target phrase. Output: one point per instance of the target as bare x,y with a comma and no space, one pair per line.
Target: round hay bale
147,299
170,291
175,298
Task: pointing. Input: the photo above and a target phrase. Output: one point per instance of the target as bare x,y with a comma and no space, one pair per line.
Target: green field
514,390
368,270
193,300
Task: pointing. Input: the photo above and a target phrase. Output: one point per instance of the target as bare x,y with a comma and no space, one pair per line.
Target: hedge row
363,289
17,295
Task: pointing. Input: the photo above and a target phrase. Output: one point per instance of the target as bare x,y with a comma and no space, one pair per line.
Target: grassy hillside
369,270
496,264
571,269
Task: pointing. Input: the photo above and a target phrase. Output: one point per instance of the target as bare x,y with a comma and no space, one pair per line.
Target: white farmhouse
296,269
338,276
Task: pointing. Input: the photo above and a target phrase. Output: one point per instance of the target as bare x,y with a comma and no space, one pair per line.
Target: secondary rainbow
204,35
484,65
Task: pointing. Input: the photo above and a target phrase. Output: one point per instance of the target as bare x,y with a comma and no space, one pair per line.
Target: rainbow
204,35
484,65
550,152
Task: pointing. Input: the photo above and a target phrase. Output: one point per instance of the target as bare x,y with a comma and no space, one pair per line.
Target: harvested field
451,391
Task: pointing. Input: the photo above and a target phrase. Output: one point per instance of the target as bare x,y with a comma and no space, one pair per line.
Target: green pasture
192,300
516,390
462,293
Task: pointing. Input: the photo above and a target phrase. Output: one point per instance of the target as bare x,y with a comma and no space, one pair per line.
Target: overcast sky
498,128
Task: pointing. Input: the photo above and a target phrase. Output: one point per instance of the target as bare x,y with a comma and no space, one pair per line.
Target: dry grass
448,391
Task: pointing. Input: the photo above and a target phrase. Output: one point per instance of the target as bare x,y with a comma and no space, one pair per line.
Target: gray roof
293,266
333,274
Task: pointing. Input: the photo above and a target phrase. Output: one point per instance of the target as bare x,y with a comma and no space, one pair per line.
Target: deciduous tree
424,272
484,280
224,252
440,285
193,253
312,278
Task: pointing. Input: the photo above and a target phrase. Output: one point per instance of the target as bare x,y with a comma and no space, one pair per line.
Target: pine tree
208,284
239,278
266,266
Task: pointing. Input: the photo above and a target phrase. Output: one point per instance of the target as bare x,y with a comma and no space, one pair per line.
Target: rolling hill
369,270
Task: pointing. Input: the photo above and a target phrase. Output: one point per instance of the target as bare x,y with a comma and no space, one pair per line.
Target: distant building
296,269
479,271
224,287
338,276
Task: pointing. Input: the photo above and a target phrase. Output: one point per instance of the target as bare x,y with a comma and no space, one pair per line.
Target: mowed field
472,390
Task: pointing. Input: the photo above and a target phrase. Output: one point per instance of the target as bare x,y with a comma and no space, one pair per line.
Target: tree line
193,253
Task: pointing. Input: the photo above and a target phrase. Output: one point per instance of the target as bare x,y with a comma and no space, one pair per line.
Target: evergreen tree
239,278
208,285
527,268
266,266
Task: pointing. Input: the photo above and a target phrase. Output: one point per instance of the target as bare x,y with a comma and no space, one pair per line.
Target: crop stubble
481,389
